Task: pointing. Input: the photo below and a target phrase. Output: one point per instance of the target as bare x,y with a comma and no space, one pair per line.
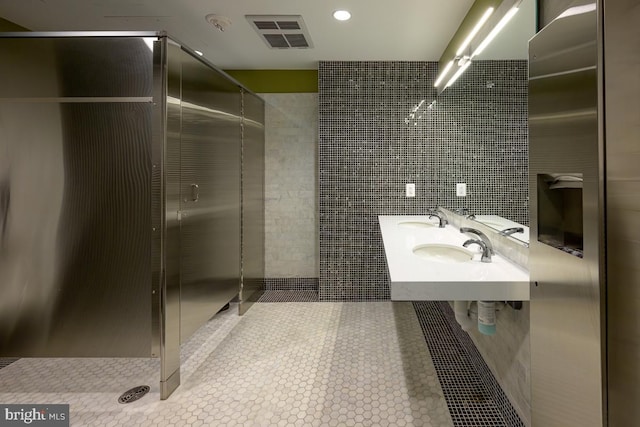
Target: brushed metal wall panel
210,225
253,224
566,315
548,10
83,67
157,192
170,285
74,260
622,105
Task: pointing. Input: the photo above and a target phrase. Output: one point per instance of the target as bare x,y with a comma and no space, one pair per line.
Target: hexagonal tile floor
284,364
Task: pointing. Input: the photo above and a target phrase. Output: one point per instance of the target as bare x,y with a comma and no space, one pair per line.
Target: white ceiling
401,30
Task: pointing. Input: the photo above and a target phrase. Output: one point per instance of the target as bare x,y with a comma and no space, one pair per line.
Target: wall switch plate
410,190
461,189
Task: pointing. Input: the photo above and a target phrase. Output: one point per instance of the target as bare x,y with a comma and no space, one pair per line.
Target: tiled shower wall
291,242
382,126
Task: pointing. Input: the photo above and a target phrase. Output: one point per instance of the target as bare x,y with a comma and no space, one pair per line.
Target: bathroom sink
417,224
428,263
443,253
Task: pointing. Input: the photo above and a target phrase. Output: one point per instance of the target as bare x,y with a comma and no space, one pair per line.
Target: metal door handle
195,192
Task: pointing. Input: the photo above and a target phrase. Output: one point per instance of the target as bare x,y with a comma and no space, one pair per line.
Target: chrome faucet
464,211
512,230
486,252
441,218
480,234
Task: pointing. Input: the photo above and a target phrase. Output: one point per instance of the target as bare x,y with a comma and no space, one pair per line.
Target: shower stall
125,211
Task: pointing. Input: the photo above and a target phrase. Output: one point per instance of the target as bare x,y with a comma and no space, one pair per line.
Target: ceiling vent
281,31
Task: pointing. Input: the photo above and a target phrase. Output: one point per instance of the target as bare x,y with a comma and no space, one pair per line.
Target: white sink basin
417,224
443,253
426,262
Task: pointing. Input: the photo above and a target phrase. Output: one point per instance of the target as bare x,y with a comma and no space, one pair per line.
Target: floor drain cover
134,394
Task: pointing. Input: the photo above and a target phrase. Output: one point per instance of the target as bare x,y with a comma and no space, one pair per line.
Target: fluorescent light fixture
473,32
198,52
505,19
443,73
342,15
457,74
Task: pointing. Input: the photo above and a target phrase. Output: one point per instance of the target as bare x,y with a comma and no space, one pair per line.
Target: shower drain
134,394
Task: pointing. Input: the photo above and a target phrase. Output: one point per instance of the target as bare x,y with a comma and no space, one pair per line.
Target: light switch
410,190
461,189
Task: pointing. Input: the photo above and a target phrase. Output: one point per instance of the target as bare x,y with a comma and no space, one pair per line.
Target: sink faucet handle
486,252
480,234
512,230
441,218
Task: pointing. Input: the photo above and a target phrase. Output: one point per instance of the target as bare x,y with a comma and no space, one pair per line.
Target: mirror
510,44
500,224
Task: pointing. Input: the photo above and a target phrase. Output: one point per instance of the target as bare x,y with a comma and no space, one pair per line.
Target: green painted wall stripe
277,81
475,12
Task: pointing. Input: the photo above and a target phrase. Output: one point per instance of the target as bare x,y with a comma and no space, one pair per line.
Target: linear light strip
473,32
443,73
458,74
505,19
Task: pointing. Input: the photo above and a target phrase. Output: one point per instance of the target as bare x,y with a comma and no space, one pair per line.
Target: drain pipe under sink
461,310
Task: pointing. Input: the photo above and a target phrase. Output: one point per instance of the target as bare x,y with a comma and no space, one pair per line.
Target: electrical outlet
410,190
461,189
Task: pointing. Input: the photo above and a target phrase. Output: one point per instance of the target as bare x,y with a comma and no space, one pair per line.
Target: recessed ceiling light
342,15
198,52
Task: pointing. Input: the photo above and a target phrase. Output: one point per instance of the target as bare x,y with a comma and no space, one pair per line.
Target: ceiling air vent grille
281,31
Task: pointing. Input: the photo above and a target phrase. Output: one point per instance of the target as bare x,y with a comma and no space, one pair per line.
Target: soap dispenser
487,317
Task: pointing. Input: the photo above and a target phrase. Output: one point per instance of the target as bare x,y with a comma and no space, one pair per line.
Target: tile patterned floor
287,364
473,395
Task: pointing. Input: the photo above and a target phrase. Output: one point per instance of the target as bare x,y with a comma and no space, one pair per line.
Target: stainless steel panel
158,234
622,105
75,260
567,375
170,284
84,67
252,200
550,9
210,226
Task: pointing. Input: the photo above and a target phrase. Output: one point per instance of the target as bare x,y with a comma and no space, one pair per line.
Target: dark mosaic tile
382,126
289,296
291,284
473,395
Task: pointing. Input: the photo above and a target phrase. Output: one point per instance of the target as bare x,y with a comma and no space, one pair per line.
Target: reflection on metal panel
170,286
622,104
86,67
566,336
209,193
252,200
75,261
157,191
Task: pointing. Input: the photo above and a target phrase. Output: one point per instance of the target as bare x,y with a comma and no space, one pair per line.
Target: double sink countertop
418,278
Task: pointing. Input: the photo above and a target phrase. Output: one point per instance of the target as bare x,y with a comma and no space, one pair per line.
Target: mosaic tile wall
382,126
